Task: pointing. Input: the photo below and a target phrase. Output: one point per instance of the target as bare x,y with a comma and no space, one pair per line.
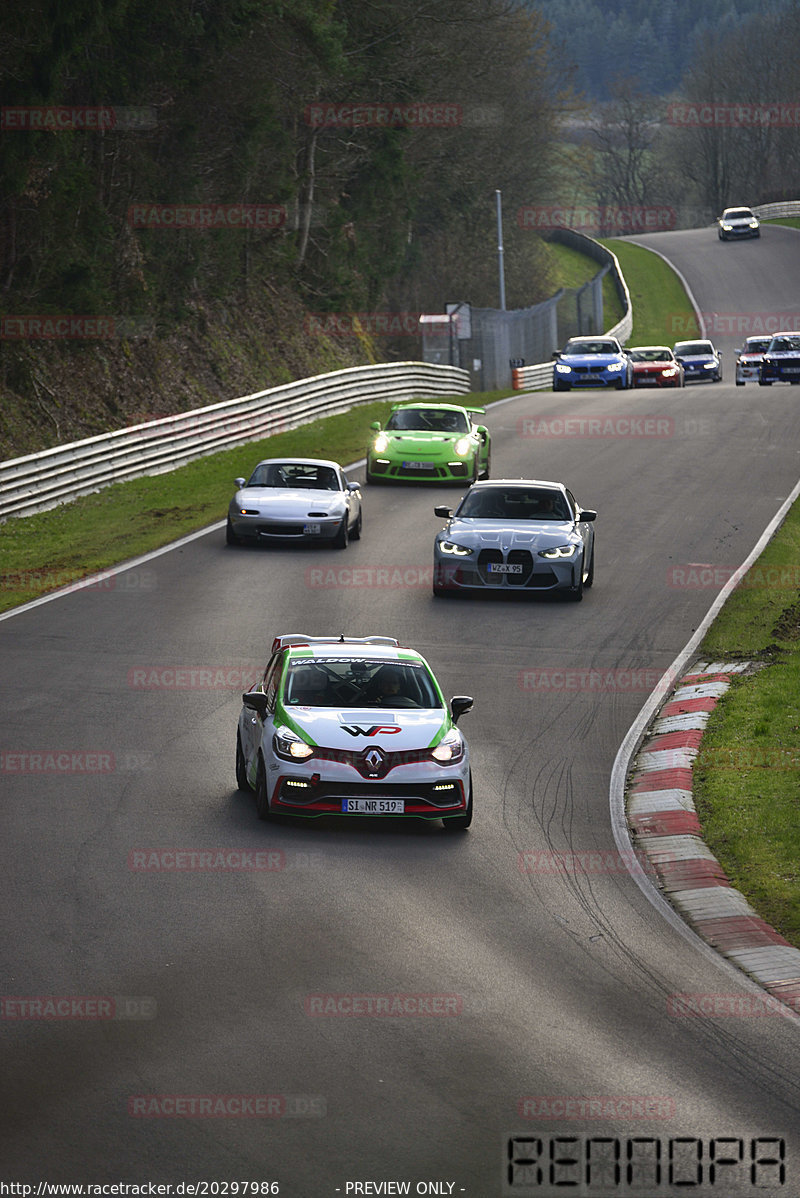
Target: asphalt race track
540,988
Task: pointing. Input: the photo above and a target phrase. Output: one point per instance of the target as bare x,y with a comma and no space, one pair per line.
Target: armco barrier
540,376
44,480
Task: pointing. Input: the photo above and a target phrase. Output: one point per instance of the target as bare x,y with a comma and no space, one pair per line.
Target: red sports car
655,366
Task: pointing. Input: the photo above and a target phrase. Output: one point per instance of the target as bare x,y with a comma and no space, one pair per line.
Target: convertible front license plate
504,568
418,465
373,806
311,528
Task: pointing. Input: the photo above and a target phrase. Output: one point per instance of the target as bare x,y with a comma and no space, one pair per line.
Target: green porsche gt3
431,442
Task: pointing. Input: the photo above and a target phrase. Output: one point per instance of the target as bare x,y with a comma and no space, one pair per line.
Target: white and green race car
353,726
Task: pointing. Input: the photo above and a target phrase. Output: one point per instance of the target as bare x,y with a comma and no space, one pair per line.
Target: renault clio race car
353,726
781,361
429,442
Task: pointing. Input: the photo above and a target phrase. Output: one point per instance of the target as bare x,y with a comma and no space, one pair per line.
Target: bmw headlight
562,369
450,748
753,224
614,366
290,746
381,443
462,446
727,228
457,550
558,551
669,370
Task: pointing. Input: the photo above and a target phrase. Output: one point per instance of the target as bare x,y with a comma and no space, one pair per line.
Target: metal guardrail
540,376
44,480
778,209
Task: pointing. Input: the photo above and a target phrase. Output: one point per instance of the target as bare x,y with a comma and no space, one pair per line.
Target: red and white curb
662,818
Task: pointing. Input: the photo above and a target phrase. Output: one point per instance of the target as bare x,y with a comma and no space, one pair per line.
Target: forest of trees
652,40
273,103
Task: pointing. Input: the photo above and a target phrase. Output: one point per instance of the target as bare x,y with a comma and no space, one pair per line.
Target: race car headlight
727,228
669,370
381,443
288,744
562,369
709,366
558,551
462,446
753,224
457,550
615,366
450,748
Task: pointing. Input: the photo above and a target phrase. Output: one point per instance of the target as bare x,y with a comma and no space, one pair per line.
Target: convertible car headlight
462,446
562,369
615,366
452,547
381,443
558,551
727,228
287,744
450,748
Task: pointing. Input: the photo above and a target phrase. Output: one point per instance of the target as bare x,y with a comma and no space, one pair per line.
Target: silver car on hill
515,535
295,499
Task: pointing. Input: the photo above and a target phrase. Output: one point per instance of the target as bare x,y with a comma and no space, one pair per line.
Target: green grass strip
52,549
662,313
746,778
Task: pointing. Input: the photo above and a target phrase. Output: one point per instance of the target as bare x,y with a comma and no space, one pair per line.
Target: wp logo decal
369,729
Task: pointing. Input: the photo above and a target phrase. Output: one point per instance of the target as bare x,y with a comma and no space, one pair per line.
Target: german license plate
373,806
311,529
504,568
418,465
791,369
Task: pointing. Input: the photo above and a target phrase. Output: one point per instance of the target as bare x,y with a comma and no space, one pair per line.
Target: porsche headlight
457,550
462,446
288,744
558,551
381,443
450,748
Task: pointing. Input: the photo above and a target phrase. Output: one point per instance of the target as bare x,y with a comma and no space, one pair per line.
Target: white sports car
297,499
353,726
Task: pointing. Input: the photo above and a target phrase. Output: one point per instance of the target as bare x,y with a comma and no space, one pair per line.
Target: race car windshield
304,475
651,355
590,347
780,345
514,503
694,347
756,345
355,682
738,214
428,420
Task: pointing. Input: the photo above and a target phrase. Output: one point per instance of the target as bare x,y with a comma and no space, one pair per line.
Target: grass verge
746,778
48,550
571,268
662,313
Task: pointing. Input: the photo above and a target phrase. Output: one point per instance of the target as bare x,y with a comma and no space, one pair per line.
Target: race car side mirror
459,704
376,424
443,510
586,516
239,483
256,701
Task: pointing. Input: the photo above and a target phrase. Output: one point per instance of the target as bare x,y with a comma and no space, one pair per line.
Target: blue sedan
592,362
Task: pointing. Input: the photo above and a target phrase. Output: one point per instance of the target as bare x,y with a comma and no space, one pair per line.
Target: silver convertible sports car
515,535
297,499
